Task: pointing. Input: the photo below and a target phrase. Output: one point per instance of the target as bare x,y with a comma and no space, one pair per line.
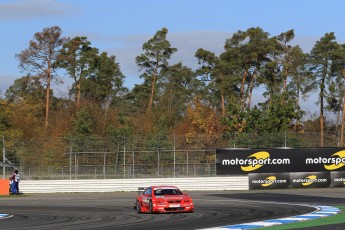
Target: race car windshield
161,192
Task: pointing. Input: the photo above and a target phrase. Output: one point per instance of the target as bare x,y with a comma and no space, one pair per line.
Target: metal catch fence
119,157
131,164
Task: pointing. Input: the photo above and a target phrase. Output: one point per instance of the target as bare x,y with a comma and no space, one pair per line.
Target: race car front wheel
150,206
138,208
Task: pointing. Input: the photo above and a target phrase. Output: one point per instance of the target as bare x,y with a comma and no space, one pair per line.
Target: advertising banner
337,179
244,161
310,180
268,180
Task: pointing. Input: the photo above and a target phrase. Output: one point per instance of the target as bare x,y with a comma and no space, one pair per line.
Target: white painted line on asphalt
4,216
322,211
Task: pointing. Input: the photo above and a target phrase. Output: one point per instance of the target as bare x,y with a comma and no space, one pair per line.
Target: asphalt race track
115,210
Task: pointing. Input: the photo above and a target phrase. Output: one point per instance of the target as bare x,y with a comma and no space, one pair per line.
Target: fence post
124,159
3,157
235,140
70,163
133,162
158,163
75,166
174,155
117,157
187,165
104,165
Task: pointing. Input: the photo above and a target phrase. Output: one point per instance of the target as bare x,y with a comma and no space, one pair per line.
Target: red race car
159,199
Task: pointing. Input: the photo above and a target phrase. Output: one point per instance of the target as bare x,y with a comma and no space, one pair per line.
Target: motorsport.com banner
244,161
296,180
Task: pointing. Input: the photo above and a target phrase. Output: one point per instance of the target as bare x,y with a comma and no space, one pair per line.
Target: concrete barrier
115,185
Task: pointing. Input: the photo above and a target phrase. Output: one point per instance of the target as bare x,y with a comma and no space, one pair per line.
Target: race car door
146,196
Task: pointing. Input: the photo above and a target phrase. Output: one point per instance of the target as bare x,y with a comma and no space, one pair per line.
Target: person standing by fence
14,182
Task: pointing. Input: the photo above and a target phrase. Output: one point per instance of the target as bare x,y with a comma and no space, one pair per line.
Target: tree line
216,99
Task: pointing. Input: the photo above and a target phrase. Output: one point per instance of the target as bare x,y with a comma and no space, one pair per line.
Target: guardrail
125,185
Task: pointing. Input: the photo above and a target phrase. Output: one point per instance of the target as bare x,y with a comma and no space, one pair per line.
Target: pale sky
120,27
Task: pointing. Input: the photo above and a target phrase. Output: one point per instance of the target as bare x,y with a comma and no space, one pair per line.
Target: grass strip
13,196
335,219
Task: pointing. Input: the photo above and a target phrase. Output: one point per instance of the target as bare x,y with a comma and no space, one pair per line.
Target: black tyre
150,206
138,207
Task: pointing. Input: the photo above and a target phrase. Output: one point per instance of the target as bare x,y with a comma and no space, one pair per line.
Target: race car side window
148,191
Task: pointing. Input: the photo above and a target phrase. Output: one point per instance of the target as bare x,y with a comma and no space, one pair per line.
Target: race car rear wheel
150,207
138,207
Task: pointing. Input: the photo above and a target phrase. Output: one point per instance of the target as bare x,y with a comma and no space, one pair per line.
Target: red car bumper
173,208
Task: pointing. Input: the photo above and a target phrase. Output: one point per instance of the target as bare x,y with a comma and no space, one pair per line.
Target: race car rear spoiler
141,190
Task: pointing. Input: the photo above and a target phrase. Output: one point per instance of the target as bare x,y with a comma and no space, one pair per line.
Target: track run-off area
115,210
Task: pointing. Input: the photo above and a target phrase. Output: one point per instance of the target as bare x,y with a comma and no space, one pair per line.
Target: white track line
322,211
4,216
